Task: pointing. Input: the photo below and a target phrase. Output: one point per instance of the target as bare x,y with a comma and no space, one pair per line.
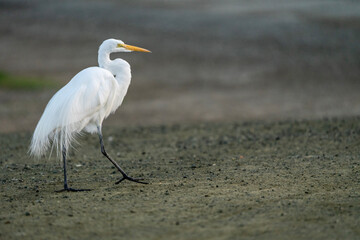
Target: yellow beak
133,48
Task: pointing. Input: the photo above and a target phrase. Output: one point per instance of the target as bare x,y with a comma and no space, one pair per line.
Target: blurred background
211,61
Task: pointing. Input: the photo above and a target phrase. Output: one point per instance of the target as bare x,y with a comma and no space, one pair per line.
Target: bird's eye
120,45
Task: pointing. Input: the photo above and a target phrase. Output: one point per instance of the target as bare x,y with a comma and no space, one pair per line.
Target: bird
82,105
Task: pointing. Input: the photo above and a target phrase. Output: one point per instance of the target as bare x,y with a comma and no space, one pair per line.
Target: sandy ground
249,180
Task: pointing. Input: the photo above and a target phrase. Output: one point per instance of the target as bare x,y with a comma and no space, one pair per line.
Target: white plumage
83,103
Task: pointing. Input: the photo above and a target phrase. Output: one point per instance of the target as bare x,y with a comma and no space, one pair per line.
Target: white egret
83,104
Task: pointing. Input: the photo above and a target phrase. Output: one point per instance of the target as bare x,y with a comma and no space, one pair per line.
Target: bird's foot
126,177
67,189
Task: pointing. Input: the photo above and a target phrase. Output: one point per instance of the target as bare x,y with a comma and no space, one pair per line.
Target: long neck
118,67
103,58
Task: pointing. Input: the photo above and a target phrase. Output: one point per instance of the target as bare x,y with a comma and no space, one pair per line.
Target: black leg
125,176
66,188
64,165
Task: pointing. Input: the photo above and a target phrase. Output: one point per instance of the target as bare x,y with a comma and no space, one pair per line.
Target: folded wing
82,104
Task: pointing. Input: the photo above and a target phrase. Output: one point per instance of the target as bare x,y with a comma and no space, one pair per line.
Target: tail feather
39,144
54,129
60,139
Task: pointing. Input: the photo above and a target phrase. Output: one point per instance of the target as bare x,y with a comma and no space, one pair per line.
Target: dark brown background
211,60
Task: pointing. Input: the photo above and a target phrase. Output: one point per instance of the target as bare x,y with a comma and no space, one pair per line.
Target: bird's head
114,45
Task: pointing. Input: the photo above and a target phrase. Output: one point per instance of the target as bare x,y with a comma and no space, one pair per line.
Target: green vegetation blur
9,81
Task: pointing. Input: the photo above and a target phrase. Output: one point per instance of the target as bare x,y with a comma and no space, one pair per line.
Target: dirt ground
246,180
211,120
